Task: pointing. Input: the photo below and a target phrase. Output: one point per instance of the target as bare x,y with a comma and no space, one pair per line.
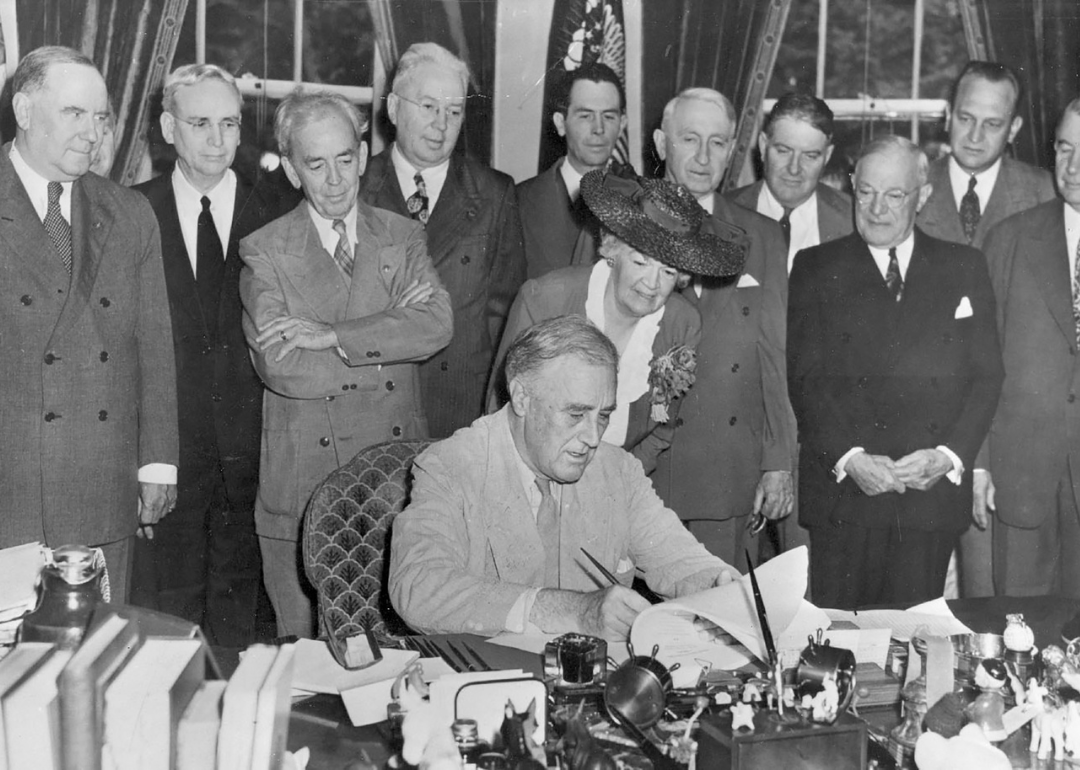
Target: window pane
339,42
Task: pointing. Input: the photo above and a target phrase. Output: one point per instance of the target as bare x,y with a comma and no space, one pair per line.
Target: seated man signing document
500,511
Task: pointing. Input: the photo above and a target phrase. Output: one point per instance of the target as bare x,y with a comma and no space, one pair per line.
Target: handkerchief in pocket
963,310
624,565
746,281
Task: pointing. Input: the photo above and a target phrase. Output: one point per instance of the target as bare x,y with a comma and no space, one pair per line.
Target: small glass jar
70,590
467,737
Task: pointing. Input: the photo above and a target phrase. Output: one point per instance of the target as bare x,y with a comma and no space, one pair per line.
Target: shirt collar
708,202
774,209
571,177
434,177
328,236
186,193
904,250
37,186
984,182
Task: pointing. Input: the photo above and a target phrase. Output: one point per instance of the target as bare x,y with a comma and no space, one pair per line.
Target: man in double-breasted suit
895,372
1031,454
982,122
471,220
340,302
796,144
203,562
734,445
558,228
88,394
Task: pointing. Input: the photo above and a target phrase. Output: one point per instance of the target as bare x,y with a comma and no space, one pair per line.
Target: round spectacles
894,199
430,108
203,126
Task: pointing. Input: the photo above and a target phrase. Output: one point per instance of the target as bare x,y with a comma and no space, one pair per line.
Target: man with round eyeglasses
202,562
469,213
894,372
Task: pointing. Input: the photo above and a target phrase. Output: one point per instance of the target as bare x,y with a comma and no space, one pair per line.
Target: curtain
1040,40
466,29
727,45
132,42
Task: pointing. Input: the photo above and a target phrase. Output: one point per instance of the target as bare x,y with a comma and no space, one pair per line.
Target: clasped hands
296,332
876,474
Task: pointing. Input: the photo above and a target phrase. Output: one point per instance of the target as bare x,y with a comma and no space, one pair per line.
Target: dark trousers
203,565
852,566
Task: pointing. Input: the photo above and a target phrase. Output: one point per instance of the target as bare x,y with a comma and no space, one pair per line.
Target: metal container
638,689
972,649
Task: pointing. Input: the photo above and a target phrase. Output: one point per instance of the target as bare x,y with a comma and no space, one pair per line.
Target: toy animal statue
517,733
425,743
579,749
1048,726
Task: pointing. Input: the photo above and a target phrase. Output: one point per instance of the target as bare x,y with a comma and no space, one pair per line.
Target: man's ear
168,125
362,158
392,104
762,143
560,123
924,195
519,396
1014,129
290,172
828,155
20,104
661,143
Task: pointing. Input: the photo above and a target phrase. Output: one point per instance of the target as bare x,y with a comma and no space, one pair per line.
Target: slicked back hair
993,72
595,72
902,144
801,107
33,68
567,335
302,107
419,54
191,74
701,94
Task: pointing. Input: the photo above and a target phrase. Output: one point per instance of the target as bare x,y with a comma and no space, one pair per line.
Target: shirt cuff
517,619
344,356
838,469
957,471
158,473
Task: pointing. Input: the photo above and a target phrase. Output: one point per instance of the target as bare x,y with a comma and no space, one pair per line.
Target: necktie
209,264
785,225
1076,293
970,213
417,203
57,227
892,276
547,524
343,254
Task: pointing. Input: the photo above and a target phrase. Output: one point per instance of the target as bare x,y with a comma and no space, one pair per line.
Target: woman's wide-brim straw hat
664,221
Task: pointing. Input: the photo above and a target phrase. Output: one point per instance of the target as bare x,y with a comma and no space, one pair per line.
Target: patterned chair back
346,541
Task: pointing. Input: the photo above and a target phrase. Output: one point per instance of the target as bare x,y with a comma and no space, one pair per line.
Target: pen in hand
648,594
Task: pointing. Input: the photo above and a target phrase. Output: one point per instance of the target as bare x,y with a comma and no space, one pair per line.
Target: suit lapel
717,294
1048,260
178,272
90,228
383,190
458,206
311,270
377,260
940,215
28,246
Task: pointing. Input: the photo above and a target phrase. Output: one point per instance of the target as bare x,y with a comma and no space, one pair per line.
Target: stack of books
126,699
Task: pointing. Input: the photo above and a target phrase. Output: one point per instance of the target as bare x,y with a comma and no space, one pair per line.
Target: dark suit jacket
736,422
88,392
218,392
890,377
1035,435
836,215
557,232
474,239
564,292
318,410
1019,186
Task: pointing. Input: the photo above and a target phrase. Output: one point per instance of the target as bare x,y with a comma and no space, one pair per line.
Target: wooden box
774,745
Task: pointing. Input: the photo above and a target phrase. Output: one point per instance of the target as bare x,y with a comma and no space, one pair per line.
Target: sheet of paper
870,645
670,625
20,567
315,669
903,623
529,642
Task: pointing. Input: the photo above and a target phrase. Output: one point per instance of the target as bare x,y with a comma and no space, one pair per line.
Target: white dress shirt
903,257
804,221
434,177
189,207
37,187
329,237
1072,235
570,177
984,182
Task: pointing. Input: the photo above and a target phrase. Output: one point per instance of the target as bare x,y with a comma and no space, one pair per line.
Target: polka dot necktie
417,203
57,227
892,276
970,212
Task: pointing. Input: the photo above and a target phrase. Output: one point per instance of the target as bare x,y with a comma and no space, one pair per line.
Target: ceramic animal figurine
826,703
426,744
988,709
1048,726
580,750
742,715
517,734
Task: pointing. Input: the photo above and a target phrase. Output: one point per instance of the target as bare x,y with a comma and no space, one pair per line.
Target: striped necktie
343,254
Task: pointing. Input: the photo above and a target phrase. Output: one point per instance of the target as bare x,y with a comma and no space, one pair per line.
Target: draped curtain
466,29
131,41
728,45
1040,40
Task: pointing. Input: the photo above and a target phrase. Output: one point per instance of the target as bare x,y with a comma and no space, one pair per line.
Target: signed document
719,627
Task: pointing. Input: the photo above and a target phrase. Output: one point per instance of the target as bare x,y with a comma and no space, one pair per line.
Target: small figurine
826,703
722,698
517,734
988,708
1048,726
742,715
751,693
579,749
424,743
1018,635
970,750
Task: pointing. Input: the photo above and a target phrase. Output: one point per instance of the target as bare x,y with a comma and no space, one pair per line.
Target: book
144,702
32,715
272,712
197,733
236,739
107,647
14,667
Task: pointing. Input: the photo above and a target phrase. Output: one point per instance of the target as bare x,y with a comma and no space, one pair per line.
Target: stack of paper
20,568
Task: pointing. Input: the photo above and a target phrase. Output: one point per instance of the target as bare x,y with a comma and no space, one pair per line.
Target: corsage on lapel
670,376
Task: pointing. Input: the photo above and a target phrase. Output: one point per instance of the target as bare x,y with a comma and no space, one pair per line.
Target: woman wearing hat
651,242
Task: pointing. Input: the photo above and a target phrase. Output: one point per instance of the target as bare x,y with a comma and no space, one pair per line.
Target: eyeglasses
894,199
203,126
430,108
